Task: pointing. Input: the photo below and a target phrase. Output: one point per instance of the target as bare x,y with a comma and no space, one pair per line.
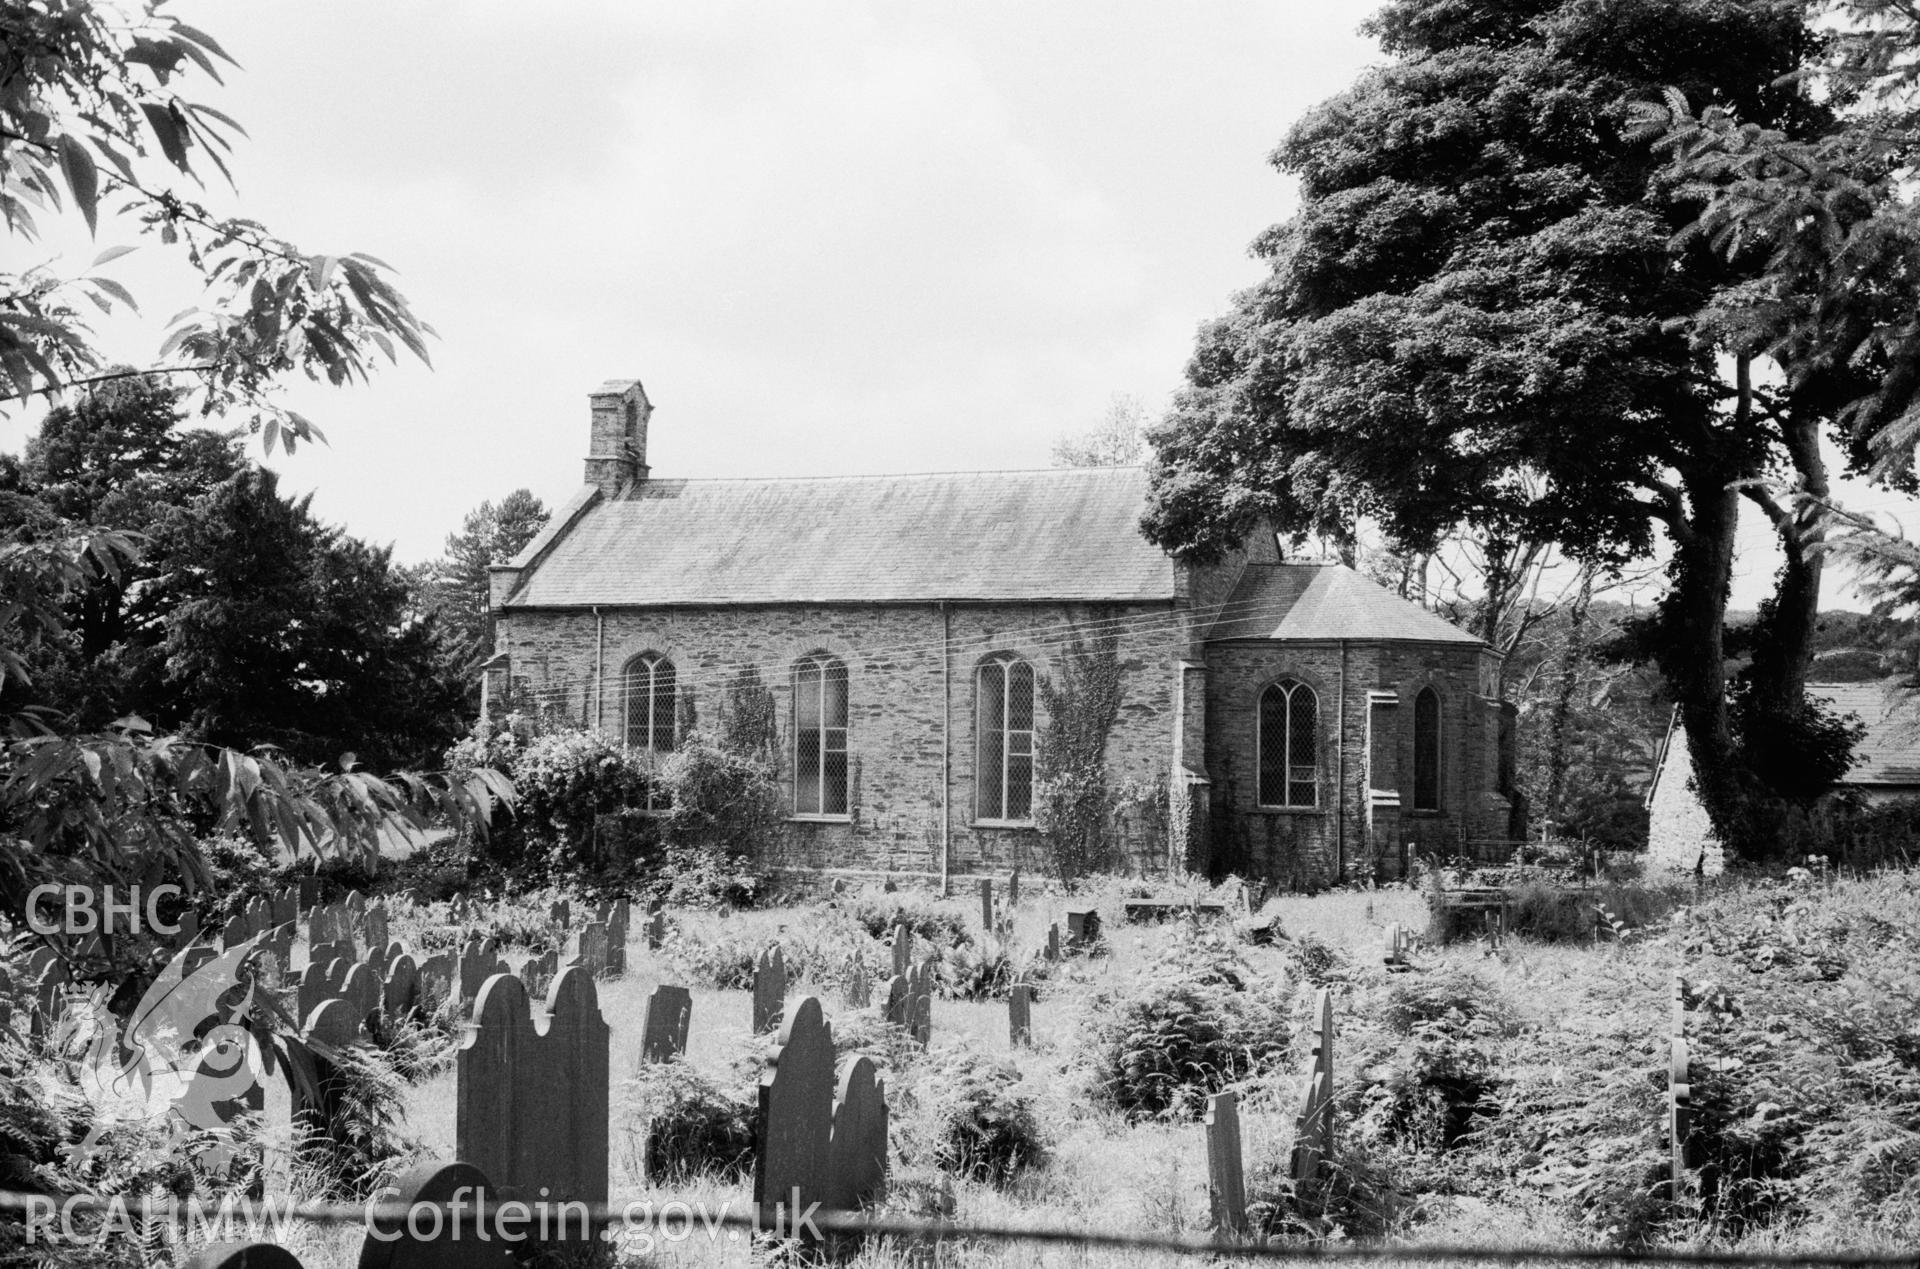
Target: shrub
682,1125
970,1118
1316,961
568,782
722,800
1195,1022
1432,997
937,921
1434,1091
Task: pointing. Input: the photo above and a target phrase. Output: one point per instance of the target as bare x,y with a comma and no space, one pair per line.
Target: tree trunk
1578,638
1692,655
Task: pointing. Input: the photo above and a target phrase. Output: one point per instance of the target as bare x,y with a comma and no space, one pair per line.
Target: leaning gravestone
664,1036
533,1104
769,989
902,949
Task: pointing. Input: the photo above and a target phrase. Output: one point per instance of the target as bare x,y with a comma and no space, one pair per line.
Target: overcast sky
829,238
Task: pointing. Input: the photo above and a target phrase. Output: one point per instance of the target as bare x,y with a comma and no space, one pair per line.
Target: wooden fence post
1226,1181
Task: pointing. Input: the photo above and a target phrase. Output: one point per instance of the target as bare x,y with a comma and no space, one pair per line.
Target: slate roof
1060,534
1325,601
1890,751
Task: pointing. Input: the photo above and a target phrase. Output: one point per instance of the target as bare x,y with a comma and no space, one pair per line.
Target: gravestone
306,892
614,916
560,913
857,1145
1226,1182
1052,952
478,963
1020,1015
898,1008
321,953
532,1103
769,989
986,904
6,999
664,1036
859,990
1395,952
1083,928
286,907
390,1242
537,974
330,1028
920,1002
1313,1126
796,1116
593,949
902,949
656,926
243,1255
1013,890
234,932
400,992
1679,1089
373,926
439,980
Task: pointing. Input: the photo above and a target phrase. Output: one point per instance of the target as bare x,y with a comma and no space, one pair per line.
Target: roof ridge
889,475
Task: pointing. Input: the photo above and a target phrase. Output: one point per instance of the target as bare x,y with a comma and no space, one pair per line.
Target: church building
1284,720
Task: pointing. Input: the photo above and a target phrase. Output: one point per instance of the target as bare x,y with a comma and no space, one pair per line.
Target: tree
89,117
116,456
1118,440
459,588
1482,319
291,633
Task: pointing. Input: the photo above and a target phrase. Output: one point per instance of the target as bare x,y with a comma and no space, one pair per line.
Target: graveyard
1189,1064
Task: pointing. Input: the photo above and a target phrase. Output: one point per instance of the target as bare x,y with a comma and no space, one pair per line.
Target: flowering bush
579,794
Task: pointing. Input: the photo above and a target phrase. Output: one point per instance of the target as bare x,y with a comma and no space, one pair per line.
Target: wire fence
511,1217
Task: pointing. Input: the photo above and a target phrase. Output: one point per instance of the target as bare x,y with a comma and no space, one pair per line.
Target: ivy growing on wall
1073,803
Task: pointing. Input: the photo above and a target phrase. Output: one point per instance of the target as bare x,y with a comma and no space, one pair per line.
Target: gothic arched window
1003,740
1426,750
820,768
1289,745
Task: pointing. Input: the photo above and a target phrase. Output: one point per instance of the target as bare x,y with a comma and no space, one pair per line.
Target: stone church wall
895,668
1347,834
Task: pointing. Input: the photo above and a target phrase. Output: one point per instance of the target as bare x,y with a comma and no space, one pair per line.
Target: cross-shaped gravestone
532,1104
769,989
664,1036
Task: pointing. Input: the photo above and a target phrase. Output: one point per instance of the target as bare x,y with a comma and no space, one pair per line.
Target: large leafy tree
92,120
1486,316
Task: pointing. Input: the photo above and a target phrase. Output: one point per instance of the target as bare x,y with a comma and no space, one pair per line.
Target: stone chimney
617,455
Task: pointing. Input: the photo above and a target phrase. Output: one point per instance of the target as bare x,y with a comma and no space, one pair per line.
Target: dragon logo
180,1056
